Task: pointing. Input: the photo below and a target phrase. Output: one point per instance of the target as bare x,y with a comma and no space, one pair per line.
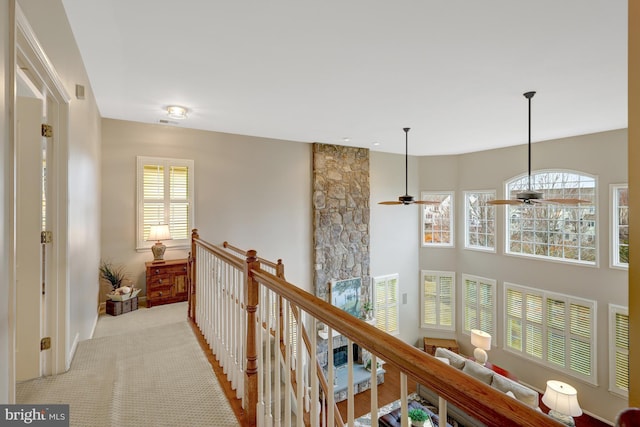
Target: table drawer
159,292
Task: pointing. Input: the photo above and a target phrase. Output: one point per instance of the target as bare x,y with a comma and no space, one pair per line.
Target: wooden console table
430,345
166,282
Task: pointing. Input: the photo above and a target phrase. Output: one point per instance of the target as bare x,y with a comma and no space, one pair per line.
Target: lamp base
480,356
158,251
563,418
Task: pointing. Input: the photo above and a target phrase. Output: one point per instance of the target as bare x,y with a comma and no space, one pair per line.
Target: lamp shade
562,398
159,232
480,339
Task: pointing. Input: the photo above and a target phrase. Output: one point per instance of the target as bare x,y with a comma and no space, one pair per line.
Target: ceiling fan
407,199
530,196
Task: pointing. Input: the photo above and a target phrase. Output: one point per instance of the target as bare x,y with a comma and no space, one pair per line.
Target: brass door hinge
47,130
45,343
46,236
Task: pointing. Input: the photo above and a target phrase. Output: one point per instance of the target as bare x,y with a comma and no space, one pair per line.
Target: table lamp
562,400
158,233
482,342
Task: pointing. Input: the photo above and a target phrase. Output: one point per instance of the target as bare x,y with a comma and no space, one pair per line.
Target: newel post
251,372
191,282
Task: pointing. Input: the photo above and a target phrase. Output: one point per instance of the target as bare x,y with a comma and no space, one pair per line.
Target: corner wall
253,192
603,155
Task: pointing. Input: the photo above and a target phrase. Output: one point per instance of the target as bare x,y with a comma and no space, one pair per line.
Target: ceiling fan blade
566,201
390,203
426,202
504,202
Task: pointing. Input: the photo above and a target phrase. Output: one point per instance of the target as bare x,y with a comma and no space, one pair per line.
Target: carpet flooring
143,368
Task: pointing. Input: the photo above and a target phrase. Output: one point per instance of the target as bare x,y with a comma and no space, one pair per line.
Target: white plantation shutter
165,196
437,299
533,340
179,202
619,349
479,303
515,307
554,329
386,309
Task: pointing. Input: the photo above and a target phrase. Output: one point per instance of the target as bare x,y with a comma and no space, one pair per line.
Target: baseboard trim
74,347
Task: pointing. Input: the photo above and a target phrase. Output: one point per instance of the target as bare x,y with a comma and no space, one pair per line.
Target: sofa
514,389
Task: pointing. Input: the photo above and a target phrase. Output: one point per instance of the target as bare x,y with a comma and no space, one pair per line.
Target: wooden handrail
476,398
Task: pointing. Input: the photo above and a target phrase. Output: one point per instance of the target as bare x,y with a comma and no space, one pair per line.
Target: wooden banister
476,398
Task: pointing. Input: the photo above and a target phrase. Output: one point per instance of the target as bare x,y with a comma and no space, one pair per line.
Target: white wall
6,226
603,155
253,192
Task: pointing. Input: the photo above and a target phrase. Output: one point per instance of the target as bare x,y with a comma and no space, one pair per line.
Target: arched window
551,230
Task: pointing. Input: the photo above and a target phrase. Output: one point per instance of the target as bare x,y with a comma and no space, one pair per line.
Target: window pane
164,197
437,220
556,231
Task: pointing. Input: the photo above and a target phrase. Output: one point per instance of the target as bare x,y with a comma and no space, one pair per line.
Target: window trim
374,291
567,299
614,240
569,261
141,161
438,274
466,222
452,240
613,311
494,312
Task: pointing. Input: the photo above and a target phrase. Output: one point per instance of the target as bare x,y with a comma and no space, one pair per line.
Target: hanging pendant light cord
529,95
406,161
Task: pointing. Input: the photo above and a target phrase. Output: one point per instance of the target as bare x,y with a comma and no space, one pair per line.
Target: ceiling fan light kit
530,196
406,199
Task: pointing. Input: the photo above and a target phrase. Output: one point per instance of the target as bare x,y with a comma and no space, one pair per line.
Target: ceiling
355,72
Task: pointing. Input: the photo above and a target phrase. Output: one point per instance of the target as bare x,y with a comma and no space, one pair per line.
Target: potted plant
418,416
367,310
116,276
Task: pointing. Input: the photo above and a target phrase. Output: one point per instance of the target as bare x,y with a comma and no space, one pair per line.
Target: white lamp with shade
482,342
159,233
562,400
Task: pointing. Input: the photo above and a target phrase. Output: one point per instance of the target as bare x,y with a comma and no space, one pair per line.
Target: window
554,231
437,220
437,299
620,221
479,302
387,309
619,350
479,220
165,196
556,330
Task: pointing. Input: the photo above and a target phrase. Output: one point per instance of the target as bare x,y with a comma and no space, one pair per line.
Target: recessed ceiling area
356,72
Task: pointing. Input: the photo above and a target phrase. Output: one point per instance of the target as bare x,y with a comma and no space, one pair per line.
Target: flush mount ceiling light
177,112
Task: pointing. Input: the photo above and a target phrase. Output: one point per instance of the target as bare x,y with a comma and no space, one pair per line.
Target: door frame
29,51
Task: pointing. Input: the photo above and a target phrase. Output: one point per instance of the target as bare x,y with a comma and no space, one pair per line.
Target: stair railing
248,315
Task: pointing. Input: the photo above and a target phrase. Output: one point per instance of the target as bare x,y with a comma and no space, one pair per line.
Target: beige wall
634,192
82,159
603,155
6,212
253,192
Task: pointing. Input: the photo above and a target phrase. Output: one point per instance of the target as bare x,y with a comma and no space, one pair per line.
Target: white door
33,248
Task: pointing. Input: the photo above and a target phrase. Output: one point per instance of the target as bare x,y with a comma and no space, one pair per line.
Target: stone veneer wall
340,216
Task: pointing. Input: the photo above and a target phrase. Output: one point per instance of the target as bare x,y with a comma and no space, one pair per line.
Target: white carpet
143,368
